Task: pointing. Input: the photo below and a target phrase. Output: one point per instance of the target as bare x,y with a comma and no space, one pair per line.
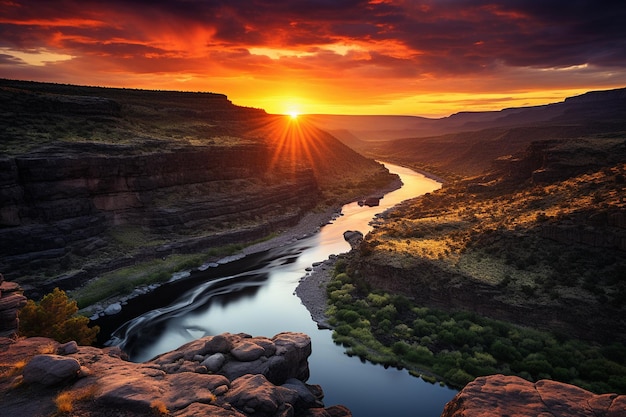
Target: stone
292,351
204,410
235,369
214,362
353,237
187,388
173,382
500,395
113,309
305,398
247,351
50,369
218,344
256,394
338,411
67,348
11,301
129,390
267,344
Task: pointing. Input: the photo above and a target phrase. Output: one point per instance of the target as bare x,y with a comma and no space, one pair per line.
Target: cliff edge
233,375
97,179
499,395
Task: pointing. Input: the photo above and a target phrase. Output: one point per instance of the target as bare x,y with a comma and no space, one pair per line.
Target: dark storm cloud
449,36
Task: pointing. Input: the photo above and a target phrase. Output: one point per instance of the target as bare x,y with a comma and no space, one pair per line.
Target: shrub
459,377
55,317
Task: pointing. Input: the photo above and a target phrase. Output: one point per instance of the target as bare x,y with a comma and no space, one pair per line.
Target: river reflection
256,295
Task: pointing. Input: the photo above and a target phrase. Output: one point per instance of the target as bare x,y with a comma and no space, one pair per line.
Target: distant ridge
380,127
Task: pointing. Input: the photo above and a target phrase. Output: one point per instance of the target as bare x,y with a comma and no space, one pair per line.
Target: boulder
294,350
187,388
254,394
499,395
218,344
305,397
11,301
353,237
50,369
177,380
247,351
370,201
113,309
214,362
67,348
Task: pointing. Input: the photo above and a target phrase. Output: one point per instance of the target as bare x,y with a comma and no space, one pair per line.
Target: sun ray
296,145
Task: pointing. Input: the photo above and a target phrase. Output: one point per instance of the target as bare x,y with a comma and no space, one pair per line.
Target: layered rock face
61,205
500,395
11,300
431,285
96,179
223,375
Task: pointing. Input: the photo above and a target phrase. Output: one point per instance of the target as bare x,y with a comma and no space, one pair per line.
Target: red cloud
316,39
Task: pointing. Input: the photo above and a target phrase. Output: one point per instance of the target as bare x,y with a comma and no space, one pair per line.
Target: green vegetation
460,346
124,280
55,317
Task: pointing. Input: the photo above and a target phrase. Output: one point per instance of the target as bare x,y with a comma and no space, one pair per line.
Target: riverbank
312,291
309,224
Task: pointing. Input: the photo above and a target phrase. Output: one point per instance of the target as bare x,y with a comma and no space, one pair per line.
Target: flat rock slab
50,369
499,395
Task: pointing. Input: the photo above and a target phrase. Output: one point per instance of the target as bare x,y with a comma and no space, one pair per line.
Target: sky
423,58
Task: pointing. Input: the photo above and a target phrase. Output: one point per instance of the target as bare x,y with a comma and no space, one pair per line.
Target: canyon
530,231
95,179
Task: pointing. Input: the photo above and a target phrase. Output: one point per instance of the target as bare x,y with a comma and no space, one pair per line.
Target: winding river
256,295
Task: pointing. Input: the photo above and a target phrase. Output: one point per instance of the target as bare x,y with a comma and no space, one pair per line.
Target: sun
293,114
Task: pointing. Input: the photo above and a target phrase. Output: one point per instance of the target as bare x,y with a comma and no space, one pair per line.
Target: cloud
430,43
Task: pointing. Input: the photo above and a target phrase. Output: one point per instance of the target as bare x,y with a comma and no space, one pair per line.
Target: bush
459,377
55,317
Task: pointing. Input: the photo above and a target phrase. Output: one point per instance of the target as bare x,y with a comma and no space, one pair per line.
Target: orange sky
428,58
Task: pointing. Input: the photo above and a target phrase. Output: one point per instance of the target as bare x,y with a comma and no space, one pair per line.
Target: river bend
256,295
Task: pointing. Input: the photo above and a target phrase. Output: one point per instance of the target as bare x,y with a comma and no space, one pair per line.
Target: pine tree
55,317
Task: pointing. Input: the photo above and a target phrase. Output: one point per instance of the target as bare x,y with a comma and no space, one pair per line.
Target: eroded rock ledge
499,395
223,375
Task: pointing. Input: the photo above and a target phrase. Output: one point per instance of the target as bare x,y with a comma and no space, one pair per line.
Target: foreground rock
11,300
223,375
500,395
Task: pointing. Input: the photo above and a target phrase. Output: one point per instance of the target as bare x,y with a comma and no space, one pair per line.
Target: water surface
256,295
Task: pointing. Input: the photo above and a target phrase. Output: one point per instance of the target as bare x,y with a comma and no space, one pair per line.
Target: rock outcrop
255,376
96,179
431,285
11,300
63,204
353,237
500,395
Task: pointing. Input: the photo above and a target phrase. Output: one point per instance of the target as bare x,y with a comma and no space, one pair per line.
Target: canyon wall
428,284
500,395
60,207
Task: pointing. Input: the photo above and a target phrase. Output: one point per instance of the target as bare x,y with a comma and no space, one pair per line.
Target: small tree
55,317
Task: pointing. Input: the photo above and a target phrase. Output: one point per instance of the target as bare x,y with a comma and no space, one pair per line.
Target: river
256,295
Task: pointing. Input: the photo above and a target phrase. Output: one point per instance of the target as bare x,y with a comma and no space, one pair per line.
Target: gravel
312,286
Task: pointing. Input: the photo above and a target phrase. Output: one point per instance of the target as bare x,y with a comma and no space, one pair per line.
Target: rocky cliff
499,395
94,179
60,206
11,300
223,375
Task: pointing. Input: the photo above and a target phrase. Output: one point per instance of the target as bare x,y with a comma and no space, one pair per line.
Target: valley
528,229
101,179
